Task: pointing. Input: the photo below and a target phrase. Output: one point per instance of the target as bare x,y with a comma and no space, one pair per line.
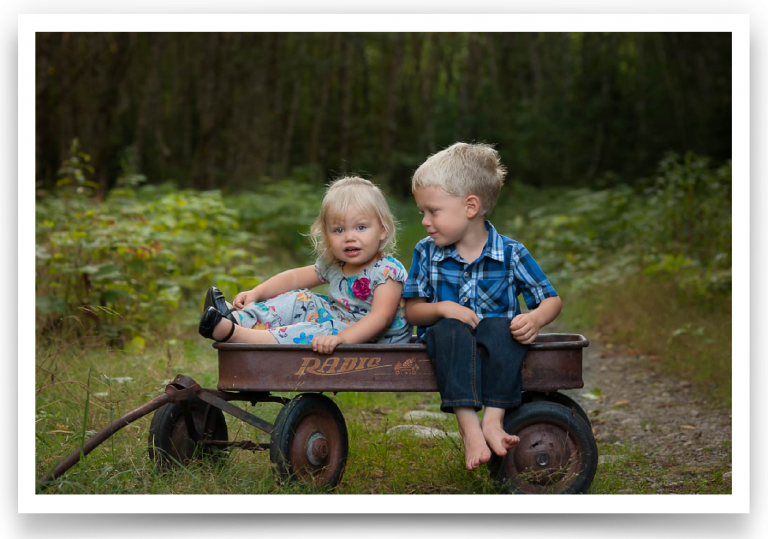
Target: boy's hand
450,309
524,328
325,344
243,299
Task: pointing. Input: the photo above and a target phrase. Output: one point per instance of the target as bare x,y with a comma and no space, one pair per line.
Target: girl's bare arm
286,281
386,298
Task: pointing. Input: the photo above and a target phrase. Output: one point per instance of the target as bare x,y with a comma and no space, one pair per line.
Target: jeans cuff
493,403
448,406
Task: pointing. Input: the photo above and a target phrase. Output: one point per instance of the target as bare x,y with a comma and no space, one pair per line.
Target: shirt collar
494,247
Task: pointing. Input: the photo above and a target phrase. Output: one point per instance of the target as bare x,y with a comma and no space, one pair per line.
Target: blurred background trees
227,110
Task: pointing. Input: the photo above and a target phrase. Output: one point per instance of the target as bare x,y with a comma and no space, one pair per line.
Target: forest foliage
230,110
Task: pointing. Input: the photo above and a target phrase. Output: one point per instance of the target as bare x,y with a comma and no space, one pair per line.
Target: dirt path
679,433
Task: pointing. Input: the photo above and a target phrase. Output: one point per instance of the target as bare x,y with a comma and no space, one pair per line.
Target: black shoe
210,319
214,298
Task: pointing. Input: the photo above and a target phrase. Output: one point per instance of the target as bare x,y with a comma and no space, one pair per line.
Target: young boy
462,292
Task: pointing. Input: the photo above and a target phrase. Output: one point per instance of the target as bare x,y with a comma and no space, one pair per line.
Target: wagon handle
180,389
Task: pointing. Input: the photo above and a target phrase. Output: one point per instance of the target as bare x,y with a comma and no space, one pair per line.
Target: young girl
353,238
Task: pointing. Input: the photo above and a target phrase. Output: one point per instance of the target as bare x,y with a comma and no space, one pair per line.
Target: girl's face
354,237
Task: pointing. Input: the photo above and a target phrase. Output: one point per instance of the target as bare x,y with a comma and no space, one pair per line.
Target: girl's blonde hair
462,170
346,193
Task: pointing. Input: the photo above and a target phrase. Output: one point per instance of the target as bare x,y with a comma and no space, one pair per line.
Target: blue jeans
477,366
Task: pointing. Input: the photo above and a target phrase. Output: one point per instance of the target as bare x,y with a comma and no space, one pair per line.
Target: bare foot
498,439
476,451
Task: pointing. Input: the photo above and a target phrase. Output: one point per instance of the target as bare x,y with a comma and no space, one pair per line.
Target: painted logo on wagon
409,366
333,366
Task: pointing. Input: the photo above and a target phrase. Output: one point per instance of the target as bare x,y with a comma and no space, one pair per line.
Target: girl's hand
243,299
524,328
325,344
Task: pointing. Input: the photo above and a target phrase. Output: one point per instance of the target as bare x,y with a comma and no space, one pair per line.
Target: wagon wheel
309,441
559,398
174,440
557,453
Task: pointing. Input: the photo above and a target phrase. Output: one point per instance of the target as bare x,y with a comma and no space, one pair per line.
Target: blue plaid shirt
489,285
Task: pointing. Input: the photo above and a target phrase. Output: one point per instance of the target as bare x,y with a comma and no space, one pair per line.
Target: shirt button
464,299
466,275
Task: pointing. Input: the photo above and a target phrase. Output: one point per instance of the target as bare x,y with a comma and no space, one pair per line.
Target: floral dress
298,316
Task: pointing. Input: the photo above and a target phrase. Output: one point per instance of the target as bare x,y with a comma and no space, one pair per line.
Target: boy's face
444,216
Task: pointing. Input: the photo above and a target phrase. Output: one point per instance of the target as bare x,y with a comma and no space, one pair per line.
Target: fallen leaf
688,427
621,402
608,346
594,395
653,358
60,432
634,352
136,344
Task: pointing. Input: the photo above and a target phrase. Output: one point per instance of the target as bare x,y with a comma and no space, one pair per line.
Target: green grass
626,470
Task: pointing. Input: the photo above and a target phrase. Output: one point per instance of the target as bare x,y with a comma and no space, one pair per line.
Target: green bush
282,212
678,223
131,260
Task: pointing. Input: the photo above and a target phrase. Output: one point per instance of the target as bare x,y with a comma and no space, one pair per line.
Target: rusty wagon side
552,363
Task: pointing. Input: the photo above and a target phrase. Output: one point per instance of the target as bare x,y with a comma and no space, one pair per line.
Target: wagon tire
558,398
309,441
170,443
557,453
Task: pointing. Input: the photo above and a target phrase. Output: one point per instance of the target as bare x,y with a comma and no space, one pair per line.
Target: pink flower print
361,288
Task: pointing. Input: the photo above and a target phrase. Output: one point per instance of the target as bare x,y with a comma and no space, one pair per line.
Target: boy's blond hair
352,192
464,169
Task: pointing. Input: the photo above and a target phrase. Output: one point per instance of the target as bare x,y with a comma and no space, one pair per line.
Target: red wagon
308,441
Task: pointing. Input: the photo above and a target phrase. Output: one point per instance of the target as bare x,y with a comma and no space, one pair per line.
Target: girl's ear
472,203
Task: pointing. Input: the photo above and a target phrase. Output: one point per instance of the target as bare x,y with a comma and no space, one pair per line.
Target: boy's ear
472,203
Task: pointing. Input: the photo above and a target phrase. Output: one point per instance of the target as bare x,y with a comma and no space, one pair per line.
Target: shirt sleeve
528,278
321,268
418,285
388,268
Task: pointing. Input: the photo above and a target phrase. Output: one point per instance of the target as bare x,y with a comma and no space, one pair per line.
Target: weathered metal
545,459
553,362
214,399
